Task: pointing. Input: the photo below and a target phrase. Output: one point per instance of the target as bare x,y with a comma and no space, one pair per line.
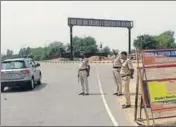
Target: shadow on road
18,89
97,94
167,124
40,87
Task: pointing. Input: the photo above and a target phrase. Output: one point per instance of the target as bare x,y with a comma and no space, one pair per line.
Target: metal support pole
137,93
129,40
71,43
141,105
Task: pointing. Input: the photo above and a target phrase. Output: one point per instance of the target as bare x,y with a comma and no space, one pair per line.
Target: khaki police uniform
83,75
125,76
116,73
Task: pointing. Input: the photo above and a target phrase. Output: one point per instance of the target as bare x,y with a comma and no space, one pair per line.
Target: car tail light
26,71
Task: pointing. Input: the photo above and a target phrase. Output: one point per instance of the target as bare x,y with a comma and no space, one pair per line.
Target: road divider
74,62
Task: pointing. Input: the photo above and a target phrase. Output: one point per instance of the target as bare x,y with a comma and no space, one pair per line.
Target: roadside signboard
159,57
99,22
162,95
162,91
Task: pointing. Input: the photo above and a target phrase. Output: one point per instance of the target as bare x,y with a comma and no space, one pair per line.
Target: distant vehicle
20,72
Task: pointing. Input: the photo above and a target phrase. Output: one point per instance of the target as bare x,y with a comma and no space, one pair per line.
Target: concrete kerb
72,62
75,62
59,62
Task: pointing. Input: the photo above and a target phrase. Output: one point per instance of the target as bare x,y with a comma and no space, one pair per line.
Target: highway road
56,102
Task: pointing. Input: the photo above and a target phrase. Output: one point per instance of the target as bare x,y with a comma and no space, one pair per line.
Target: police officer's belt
82,69
116,67
126,75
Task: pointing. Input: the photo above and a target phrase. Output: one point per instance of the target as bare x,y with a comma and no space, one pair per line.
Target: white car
21,72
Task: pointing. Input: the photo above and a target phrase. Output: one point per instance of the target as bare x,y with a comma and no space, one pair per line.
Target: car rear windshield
13,65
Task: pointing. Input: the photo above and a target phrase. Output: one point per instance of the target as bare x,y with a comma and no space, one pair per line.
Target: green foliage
163,40
86,44
145,42
38,53
57,49
9,53
106,50
24,52
133,51
173,45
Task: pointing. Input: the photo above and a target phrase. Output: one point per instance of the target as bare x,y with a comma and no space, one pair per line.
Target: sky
37,23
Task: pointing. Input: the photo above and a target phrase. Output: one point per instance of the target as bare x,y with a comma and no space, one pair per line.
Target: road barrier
157,82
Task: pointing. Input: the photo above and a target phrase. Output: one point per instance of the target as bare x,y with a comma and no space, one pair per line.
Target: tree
133,51
28,51
86,44
25,52
38,53
9,54
165,39
67,47
173,45
145,42
56,48
106,50
3,56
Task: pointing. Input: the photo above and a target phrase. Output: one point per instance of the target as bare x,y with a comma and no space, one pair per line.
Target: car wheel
39,81
31,84
2,88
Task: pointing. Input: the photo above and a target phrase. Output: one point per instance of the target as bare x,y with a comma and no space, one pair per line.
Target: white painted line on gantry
104,100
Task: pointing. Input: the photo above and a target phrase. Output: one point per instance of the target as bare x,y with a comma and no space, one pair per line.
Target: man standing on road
126,73
116,73
83,74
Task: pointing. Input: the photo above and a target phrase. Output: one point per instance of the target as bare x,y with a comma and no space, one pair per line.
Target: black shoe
115,94
81,93
86,94
126,106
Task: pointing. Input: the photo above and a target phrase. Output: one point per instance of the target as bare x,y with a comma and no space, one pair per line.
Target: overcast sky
30,23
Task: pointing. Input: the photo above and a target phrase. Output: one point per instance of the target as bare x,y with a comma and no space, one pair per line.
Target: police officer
116,73
126,73
83,74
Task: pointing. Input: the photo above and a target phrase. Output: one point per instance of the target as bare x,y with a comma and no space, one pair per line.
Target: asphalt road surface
56,102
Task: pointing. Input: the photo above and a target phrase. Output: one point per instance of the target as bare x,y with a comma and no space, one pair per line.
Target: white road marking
104,100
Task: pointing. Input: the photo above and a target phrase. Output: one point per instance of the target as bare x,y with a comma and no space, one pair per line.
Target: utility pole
71,43
129,40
